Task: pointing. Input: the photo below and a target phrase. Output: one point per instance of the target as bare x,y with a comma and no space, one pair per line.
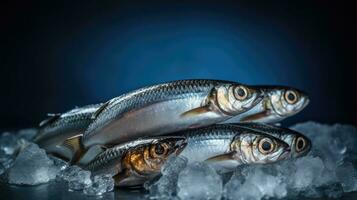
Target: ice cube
6,161
27,134
8,143
76,177
100,185
265,181
199,181
347,176
32,167
165,186
59,163
235,189
308,170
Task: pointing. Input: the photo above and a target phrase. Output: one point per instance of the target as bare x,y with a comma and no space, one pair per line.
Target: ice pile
10,143
165,187
32,166
24,163
327,171
81,180
187,183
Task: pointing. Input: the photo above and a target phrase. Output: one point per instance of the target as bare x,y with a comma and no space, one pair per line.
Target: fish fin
51,118
100,109
197,111
120,177
256,116
221,157
126,179
90,154
74,144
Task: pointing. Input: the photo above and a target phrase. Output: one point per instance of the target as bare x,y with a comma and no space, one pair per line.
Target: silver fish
279,103
230,146
57,128
166,108
299,144
135,162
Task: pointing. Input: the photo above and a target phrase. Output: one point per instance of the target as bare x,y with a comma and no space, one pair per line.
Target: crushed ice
24,163
329,170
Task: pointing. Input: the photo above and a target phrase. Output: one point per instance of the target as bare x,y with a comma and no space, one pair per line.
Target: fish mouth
180,148
285,154
307,101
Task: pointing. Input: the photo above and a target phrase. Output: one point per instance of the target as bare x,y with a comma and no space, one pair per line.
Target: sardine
278,103
299,144
165,108
135,162
229,146
57,128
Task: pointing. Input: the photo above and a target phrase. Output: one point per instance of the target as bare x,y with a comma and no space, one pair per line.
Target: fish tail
74,144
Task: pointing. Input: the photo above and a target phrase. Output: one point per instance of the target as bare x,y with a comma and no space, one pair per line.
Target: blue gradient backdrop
65,55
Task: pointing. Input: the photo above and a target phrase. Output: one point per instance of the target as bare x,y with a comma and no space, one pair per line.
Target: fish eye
300,144
240,92
291,96
159,149
266,146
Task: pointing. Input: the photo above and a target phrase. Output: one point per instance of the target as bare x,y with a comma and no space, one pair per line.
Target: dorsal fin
51,118
100,109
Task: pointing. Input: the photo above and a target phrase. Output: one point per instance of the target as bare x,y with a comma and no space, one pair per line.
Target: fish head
285,102
257,148
237,98
147,160
299,144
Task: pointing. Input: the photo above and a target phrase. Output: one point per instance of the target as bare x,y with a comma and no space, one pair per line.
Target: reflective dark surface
56,190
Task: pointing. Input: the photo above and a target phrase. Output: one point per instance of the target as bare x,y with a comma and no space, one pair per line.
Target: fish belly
199,150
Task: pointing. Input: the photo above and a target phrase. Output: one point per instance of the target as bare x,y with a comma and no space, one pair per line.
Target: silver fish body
57,128
163,108
135,162
233,146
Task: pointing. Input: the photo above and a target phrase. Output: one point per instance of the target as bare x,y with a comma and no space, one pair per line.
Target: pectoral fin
221,157
90,154
74,144
197,111
124,179
256,116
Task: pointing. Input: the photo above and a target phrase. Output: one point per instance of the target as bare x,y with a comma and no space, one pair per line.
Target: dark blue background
55,56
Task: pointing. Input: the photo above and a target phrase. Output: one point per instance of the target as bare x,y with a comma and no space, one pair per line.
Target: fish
279,102
164,108
227,146
299,144
133,163
57,128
